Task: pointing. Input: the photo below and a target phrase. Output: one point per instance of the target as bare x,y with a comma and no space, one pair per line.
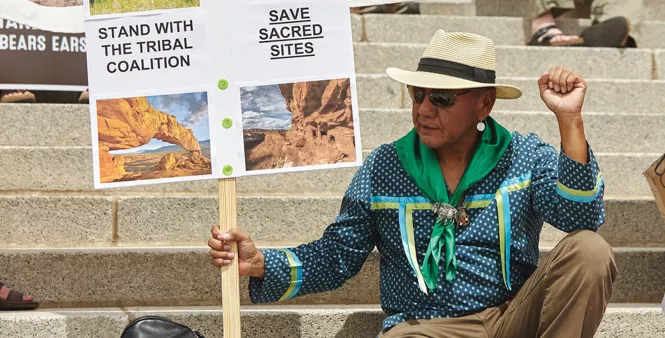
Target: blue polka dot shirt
383,208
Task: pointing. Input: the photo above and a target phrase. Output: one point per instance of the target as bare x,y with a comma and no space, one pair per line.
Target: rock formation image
320,130
129,125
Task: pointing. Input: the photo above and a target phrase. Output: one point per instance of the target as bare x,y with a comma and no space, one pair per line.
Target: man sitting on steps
455,208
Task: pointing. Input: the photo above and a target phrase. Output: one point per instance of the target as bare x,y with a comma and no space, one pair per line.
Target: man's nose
427,109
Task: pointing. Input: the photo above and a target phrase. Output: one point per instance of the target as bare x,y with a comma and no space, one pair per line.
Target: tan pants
597,10
565,297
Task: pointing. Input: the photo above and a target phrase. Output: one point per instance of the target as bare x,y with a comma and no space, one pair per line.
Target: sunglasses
441,98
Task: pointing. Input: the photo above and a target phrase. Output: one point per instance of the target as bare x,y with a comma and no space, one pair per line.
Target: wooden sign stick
228,216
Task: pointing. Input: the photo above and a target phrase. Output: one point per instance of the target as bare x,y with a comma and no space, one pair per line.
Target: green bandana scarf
421,164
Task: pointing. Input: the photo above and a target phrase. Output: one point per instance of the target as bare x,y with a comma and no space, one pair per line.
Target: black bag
157,327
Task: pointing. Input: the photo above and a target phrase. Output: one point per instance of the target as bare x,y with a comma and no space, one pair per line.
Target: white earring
481,126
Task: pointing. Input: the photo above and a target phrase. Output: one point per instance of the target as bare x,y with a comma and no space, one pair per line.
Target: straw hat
456,61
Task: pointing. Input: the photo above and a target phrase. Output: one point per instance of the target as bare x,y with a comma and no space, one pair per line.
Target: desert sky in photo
264,108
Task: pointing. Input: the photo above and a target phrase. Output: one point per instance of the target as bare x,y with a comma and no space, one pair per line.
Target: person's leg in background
410,7
611,26
11,300
374,9
633,10
543,27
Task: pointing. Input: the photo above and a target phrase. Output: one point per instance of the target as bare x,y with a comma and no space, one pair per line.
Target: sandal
17,96
609,33
15,301
546,40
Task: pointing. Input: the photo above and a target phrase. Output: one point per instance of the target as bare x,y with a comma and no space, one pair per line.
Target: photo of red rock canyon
298,124
143,138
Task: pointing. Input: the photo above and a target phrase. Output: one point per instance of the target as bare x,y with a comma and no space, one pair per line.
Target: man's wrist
258,269
573,140
570,122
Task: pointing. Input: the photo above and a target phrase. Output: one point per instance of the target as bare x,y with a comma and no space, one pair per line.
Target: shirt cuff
579,182
282,278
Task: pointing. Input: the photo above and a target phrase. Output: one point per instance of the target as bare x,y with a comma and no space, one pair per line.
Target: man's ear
486,100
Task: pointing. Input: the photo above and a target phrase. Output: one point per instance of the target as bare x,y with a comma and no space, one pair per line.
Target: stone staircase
96,259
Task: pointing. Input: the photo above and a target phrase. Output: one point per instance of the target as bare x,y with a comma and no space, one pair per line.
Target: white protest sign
220,89
296,84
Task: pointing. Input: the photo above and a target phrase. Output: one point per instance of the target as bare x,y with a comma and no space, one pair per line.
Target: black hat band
457,70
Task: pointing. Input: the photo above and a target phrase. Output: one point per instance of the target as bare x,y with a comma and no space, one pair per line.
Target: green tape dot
223,84
227,123
227,170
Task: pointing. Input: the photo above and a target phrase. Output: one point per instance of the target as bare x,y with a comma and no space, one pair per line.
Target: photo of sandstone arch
100,7
153,137
298,124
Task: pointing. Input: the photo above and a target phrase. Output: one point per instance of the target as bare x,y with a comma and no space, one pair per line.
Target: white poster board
220,89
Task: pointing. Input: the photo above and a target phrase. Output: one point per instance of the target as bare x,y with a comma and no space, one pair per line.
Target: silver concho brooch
448,212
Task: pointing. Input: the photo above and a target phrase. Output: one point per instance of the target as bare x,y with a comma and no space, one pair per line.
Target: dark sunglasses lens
442,99
417,94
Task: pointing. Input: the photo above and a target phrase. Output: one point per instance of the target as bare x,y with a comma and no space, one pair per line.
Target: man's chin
432,141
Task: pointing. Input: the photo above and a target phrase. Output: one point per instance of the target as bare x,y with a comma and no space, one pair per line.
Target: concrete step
621,96
447,8
33,324
44,124
519,61
643,320
31,125
44,169
163,220
501,29
36,125
421,28
653,9
606,132
170,275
